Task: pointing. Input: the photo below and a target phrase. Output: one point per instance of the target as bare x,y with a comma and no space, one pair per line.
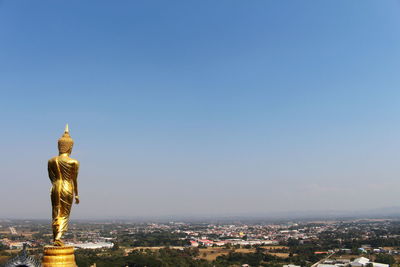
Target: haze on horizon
198,108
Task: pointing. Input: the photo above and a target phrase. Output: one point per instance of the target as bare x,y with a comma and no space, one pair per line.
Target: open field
280,255
245,250
211,253
346,256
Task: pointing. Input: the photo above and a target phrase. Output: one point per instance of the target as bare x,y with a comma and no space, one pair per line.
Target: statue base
58,256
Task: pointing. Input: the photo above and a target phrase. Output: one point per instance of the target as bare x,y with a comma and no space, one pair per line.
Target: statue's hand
76,200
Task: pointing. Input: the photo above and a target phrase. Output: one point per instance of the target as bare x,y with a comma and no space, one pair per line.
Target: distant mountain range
377,213
385,212
306,215
368,213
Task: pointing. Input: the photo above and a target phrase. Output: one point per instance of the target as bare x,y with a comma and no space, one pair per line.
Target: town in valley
316,243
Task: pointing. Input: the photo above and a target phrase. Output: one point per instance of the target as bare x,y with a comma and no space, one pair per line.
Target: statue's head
65,143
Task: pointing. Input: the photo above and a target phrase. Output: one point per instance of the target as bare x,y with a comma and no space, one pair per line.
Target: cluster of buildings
13,244
368,249
246,234
358,262
15,234
234,242
103,235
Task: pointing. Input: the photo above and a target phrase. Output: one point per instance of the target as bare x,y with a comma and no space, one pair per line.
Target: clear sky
201,107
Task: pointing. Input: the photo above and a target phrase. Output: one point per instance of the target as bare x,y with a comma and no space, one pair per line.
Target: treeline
163,257
253,259
154,239
186,258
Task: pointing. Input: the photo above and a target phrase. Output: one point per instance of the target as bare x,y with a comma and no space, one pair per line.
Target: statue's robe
63,172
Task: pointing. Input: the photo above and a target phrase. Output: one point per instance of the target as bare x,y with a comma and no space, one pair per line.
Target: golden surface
63,174
55,256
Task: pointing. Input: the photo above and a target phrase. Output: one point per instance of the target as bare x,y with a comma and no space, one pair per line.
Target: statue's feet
58,243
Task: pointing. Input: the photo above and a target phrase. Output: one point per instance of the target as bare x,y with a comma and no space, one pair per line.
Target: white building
359,262
92,245
362,262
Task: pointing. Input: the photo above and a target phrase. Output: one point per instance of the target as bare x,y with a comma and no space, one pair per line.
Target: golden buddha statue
63,174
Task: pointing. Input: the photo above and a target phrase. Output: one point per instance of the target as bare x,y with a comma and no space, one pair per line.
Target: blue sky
201,107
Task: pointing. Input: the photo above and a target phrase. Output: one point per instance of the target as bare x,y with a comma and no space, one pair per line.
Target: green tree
385,258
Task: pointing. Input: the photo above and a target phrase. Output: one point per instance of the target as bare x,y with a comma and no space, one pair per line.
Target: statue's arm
75,180
50,171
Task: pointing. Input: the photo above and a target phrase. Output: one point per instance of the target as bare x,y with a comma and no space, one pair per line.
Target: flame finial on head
66,128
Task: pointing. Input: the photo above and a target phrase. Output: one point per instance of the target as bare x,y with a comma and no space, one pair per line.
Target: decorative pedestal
58,256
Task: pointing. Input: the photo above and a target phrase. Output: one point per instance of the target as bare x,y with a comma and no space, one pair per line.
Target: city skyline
201,109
